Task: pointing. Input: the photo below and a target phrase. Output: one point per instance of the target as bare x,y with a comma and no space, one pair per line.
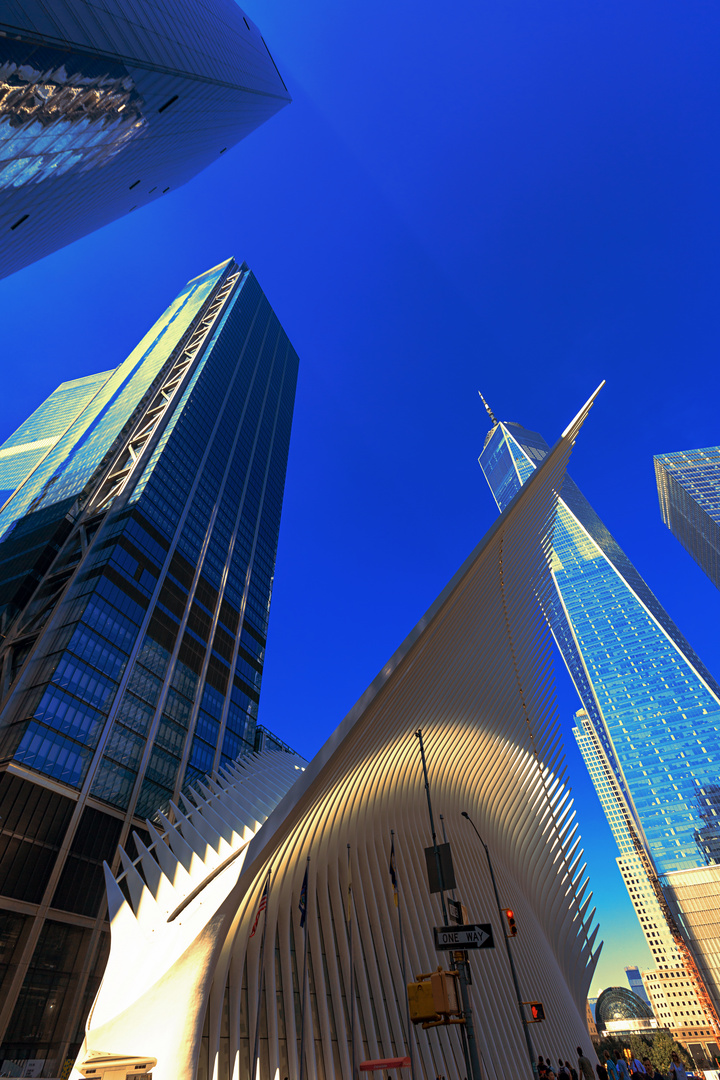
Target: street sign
472,936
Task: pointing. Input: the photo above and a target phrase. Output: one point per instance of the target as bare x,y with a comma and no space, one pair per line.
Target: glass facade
654,706
688,485
136,568
104,108
34,439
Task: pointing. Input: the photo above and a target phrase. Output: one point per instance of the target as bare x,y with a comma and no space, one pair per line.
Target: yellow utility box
434,998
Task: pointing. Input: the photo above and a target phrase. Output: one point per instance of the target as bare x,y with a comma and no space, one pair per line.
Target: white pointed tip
580,417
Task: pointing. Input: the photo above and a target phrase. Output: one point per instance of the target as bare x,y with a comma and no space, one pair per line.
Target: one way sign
471,936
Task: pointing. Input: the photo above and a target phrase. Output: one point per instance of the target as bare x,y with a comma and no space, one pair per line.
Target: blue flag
393,872
303,898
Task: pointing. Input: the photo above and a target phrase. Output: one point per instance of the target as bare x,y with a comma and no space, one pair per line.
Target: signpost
472,936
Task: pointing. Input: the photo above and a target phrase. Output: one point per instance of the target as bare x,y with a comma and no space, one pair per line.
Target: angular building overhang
476,676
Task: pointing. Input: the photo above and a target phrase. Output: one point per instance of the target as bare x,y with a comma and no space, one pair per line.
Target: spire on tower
489,411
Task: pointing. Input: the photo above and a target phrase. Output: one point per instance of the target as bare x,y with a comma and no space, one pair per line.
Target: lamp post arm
526,1032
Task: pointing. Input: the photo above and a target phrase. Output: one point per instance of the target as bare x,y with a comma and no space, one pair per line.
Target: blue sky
515,196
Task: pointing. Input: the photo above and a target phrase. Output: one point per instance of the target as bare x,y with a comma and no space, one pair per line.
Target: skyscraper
652,704
136,563
104,108
655,706
688,484
672,990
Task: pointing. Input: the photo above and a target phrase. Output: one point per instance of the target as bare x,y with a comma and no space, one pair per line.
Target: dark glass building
688,484
105,107
137,555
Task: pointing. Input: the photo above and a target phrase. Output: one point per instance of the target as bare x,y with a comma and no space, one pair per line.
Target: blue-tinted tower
105,107
137,555
688,484
654,705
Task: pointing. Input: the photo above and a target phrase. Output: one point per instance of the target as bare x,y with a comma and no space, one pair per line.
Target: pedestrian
636,1067
584,1067
563,1071
601,1071
542,1067
621,1066
651,1070
677,1069
573,1070
610,1066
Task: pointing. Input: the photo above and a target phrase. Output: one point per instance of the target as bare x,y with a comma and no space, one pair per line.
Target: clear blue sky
520,196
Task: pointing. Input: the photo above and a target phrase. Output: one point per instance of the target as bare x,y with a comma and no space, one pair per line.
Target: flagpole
302,1006
402,964
352,970
255,1063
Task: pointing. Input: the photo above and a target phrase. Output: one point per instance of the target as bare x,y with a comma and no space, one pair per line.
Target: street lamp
503,913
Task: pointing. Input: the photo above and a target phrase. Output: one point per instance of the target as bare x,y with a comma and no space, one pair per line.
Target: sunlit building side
688,484
282,957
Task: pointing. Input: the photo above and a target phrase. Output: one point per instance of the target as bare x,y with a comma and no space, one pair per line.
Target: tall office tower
653,705
136,567
688,484
670,989
104,108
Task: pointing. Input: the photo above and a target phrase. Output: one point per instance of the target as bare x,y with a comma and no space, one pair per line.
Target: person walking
584,1067
601,1071
637,1067
651,1070
573,1070
611,1070
677,1069
621,1068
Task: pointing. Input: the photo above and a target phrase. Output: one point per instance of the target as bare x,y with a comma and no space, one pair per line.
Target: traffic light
510,927
537,1011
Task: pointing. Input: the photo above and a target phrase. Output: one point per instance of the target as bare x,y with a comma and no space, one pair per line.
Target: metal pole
528,1040
402,962
474,1062
418,735
475,1070
442,825
463,1033
302,1006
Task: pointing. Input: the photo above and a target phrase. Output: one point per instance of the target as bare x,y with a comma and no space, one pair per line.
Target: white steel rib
476,675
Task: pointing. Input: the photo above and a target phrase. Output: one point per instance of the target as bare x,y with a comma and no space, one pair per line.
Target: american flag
263,905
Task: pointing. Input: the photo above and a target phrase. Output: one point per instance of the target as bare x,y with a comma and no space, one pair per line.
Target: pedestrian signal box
434,999
510,927
537,1011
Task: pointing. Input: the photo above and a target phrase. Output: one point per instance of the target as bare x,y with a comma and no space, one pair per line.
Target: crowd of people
617,1067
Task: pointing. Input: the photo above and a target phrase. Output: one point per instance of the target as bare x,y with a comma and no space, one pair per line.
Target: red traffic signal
510,927
537,1011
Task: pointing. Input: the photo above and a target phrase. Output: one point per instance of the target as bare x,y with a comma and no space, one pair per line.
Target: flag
303,899
393,872
263,905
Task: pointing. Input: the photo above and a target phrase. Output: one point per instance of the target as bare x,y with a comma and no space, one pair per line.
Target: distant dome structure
617,1005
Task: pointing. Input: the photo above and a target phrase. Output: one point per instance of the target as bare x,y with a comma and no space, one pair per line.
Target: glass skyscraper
688,484
137,554
106,107
653,704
